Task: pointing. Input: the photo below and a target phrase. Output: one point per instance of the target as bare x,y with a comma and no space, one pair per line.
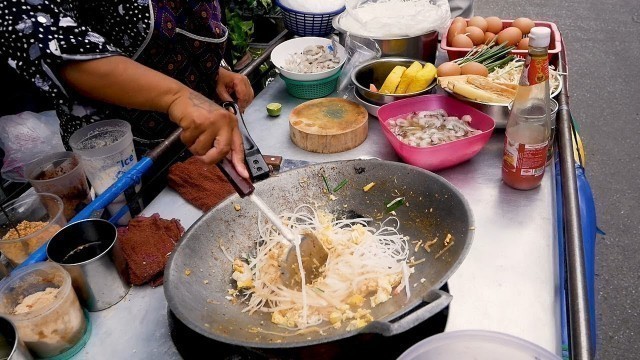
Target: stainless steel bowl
423,46
375,72
371,108
500,112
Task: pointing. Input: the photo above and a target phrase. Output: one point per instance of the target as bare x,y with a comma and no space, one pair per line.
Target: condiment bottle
528,129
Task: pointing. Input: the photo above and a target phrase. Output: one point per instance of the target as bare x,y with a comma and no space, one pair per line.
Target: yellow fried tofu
392,80
407,77
422,79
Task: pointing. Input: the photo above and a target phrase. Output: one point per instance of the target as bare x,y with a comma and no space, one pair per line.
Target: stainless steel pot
198,275
422,47
375,72
13,348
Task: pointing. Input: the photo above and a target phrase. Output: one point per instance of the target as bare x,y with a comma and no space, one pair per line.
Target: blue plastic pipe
130,178
589,230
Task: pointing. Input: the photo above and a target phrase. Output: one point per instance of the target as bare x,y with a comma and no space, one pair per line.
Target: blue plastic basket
307,24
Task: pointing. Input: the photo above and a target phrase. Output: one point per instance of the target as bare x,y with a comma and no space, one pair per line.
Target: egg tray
555,45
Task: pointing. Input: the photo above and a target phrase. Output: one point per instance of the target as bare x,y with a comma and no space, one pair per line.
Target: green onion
486,55
342,184
394,204
326,184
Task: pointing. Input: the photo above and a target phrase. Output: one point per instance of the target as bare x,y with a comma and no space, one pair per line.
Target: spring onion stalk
394,204
341,185
324,178
485,54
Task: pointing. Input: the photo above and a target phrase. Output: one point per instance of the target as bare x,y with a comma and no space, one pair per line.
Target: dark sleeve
37,36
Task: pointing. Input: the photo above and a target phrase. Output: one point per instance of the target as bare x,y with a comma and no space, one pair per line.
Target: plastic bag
395,18
26,136
358,52
314,7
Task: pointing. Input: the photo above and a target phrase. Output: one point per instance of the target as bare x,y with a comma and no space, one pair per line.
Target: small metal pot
423,46
375,72
16,350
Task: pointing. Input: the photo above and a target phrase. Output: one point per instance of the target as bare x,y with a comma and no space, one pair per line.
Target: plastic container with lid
476,345
51,322
37,218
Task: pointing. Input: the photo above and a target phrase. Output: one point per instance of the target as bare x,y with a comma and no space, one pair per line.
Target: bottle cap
539,37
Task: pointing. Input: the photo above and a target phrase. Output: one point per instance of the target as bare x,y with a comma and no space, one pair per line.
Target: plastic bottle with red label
527,133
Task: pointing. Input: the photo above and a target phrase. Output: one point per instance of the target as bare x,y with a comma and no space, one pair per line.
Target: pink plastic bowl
439,156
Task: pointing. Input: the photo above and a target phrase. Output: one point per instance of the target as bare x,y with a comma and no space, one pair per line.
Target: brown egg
479,22
524,24
448,69
523,44
460,20
455,29
462,41
474,68
510,35
475,34
488,36
494,24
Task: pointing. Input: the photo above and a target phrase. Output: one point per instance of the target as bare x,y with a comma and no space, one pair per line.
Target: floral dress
183,39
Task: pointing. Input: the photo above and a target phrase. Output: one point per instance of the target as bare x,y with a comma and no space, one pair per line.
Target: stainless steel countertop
507,283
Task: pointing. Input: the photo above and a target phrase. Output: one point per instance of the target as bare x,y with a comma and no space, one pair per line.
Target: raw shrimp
313,59
429,128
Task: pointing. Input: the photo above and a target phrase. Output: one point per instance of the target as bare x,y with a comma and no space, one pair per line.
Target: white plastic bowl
476,345
282,52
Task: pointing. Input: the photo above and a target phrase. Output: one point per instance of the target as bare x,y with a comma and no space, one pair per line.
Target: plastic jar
36,217
54,325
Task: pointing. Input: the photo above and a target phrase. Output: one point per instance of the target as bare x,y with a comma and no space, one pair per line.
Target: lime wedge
273,109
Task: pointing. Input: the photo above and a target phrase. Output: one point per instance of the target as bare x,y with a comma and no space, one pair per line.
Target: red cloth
202,185
144,247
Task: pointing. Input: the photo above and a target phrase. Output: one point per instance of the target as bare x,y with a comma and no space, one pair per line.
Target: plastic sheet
358,52
394,18
25,137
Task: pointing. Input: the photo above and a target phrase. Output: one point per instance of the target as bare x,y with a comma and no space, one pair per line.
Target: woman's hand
208,130
230,83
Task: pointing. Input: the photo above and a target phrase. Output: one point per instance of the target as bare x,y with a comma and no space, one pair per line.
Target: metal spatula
313,255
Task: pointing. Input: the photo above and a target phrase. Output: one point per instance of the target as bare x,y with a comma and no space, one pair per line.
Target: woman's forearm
121,81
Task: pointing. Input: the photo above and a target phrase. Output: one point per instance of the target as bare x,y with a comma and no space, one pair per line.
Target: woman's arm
207,129
121,81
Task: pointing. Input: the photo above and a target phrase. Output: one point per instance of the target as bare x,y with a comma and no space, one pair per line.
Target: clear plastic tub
476,345
37,218
40,301
62,174
107,152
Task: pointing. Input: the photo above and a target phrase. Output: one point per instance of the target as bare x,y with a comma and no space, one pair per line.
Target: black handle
242,186
257,166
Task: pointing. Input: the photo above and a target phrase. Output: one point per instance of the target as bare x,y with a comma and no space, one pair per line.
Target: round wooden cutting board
328,125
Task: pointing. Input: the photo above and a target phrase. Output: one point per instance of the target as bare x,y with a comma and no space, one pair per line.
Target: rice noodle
363,262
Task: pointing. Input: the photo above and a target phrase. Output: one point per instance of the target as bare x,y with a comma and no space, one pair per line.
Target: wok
198,275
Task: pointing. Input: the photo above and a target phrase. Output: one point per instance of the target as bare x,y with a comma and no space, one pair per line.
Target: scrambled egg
384,288
242,275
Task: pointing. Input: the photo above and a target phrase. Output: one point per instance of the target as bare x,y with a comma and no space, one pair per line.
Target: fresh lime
273,109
